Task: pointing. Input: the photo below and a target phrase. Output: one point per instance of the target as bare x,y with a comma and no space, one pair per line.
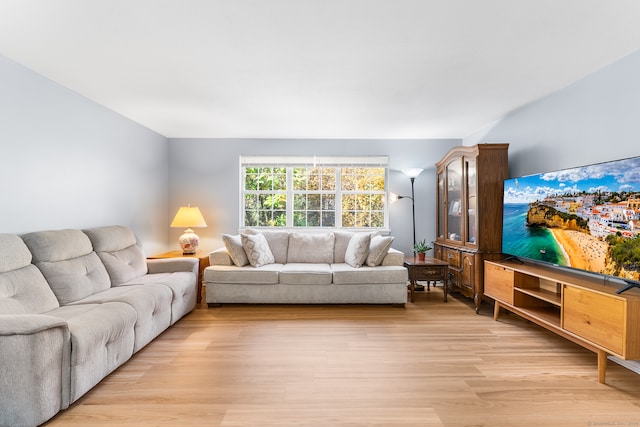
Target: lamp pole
413,214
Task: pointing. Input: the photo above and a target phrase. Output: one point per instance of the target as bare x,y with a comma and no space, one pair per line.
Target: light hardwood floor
429,364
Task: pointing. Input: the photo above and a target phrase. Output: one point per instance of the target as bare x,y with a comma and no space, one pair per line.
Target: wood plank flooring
429,364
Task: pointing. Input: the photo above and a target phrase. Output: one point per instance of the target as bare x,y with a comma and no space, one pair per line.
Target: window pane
328,179
313,219
377,202
299,201
299,219
348,219
328,219
313,201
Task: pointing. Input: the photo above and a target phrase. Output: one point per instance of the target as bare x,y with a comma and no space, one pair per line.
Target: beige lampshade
188,216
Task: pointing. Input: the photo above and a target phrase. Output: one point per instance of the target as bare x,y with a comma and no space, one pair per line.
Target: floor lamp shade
188,216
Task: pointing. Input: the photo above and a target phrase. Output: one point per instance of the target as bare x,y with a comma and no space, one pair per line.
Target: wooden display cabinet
581,308
469,213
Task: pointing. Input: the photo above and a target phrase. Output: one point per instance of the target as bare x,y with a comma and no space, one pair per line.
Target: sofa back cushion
68,262
314,248
119,251
23,288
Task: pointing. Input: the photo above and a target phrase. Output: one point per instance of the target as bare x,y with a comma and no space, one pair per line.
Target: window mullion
289,197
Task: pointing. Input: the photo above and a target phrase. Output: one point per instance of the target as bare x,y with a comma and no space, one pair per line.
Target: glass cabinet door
454,200
472,202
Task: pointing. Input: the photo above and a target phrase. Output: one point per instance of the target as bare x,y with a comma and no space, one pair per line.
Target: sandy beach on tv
584,251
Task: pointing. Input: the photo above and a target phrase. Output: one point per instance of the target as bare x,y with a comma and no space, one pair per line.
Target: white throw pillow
257,249
233,245
378,249
357,250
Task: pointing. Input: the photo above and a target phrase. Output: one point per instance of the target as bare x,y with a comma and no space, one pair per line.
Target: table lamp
188,216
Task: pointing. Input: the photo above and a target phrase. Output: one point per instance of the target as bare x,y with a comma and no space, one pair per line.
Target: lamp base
189,242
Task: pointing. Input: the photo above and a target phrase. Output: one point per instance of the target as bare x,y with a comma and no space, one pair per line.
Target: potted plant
421,248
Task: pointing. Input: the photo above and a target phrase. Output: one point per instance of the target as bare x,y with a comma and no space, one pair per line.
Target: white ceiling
316,68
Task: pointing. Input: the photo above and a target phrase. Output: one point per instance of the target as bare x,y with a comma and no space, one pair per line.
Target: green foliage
314,196
421,247
624,252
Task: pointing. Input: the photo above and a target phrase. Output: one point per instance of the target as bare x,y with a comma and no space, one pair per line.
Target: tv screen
586,218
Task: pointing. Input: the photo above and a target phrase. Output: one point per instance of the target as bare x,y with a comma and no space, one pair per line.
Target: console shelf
583,309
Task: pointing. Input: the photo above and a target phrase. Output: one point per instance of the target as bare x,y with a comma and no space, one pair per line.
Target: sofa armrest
35,379
172,265
220,257
393,257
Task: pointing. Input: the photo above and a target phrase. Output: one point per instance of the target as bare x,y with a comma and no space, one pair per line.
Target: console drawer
596,317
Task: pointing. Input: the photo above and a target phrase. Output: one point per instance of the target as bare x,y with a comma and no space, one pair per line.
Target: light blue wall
205,172
593,120
67,162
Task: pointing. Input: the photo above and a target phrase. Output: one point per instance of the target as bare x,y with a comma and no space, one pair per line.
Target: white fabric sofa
75,305
335,267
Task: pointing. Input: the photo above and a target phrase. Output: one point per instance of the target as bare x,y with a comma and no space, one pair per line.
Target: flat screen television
585,218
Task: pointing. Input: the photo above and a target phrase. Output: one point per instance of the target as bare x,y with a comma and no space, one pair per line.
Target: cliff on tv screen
586,218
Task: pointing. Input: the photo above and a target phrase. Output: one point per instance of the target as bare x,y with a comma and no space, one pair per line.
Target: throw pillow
233,245
257,249
357,250
378,249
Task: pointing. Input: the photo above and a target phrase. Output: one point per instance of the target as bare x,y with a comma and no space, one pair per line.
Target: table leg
445,288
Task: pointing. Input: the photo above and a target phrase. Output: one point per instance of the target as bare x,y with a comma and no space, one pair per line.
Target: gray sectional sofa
280,267
75,305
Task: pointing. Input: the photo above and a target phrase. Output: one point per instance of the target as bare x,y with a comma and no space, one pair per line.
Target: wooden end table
203,259
429,269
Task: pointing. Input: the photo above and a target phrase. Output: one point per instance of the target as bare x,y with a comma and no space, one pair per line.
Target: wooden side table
429,269
203,258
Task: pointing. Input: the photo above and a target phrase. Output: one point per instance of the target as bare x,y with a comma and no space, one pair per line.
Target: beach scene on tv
586,218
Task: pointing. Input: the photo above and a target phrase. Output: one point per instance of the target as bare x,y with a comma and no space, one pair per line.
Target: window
343,192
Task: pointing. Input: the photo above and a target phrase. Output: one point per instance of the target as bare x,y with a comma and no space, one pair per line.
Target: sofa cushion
257,250
23,288
306,274
151,302
344,274
357,250
102,338
233,244
67,261
378,249
278,243
311,248
118,249
267,274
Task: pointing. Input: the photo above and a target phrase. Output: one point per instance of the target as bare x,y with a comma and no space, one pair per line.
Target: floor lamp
412,173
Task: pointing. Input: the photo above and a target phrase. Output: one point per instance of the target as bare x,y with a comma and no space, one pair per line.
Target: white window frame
291,162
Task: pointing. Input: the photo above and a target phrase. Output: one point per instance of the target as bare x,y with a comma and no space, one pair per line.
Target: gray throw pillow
233,244
378,249
357,250
257,249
